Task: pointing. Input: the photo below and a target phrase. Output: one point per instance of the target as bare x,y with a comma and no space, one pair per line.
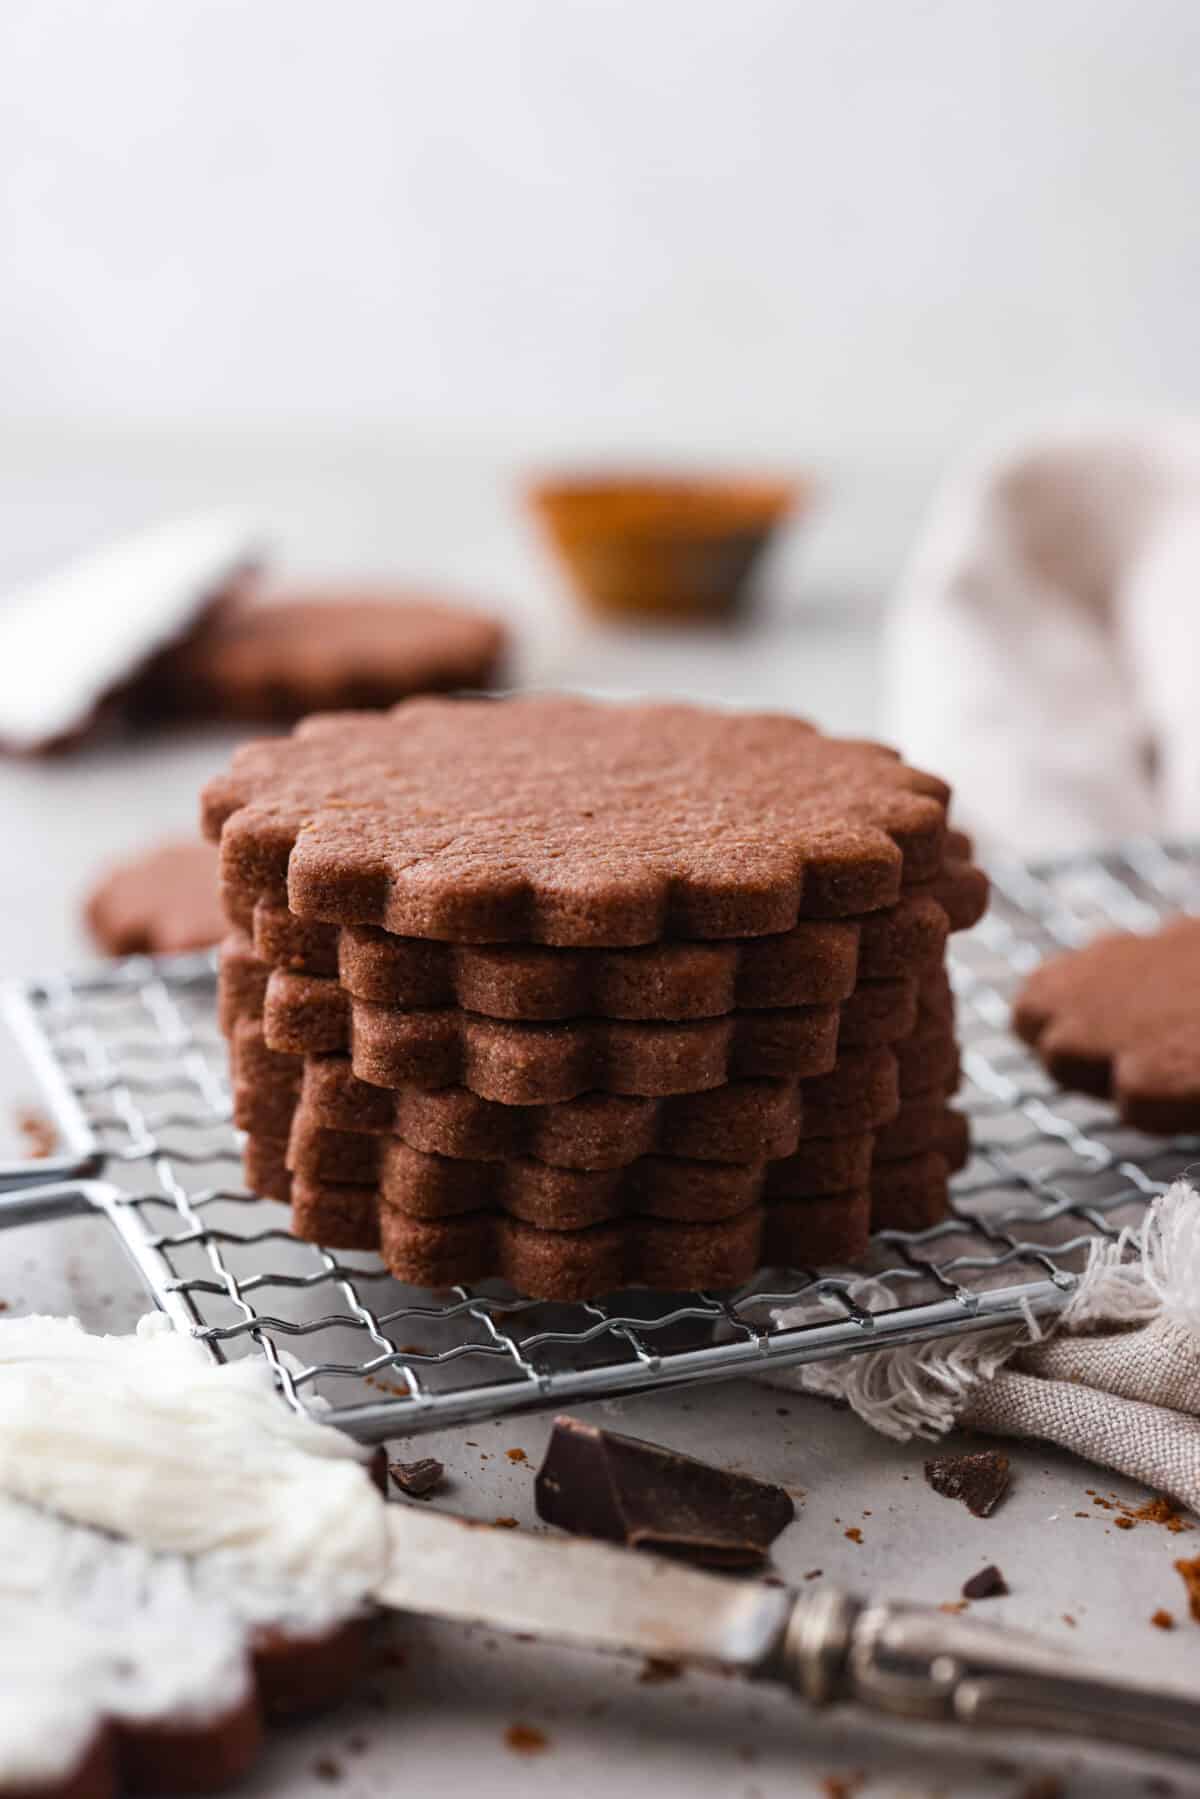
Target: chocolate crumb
814,1574
526,1739
1189,1570
657,1668
989,1583
1162,1619
418,1479
979,1480
842,1786
1159,1510
37,1130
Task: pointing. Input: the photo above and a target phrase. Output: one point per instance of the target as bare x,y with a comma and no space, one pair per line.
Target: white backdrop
852,232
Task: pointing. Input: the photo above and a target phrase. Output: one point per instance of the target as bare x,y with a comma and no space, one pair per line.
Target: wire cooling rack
131,1065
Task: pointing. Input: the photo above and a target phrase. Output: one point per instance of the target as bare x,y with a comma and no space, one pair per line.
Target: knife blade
904,1660
577,1591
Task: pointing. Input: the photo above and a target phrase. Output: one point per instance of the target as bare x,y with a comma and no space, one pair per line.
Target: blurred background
362,269
363,264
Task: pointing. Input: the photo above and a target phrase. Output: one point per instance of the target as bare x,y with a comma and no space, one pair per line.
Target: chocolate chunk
418,1479
598,1483
989,1583
979,1480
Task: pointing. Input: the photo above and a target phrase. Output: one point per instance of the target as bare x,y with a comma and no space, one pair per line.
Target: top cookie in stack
628,993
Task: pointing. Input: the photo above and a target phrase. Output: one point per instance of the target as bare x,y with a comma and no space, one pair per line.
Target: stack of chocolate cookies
589,995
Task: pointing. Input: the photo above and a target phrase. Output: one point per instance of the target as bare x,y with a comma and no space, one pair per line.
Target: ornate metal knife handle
916,1662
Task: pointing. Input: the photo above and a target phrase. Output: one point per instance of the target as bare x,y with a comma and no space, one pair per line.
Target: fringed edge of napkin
924,1389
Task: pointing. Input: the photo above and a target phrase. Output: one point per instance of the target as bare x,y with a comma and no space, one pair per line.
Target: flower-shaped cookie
566,821
1122,1017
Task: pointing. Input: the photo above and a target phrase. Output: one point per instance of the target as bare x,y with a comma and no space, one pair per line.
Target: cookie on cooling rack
572,822
818,963
1121,1018
159,903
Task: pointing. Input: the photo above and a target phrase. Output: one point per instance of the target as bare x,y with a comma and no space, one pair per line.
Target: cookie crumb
418,1479
327,1769
1189,1571
842,1786
516,1455
38,1132
989,1583
1044,1786
855,1535
980,1480
526,1739
1162,1619
814,1574
505,1524
657,1668
1159,1510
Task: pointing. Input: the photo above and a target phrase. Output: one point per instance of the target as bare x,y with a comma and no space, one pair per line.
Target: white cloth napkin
1043,652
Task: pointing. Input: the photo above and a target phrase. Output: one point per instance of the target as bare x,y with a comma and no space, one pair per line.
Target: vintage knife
906,1660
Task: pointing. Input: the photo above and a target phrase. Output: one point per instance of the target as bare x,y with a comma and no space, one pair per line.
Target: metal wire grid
133,1069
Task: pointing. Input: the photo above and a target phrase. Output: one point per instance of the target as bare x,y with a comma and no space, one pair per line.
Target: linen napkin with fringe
1115,1377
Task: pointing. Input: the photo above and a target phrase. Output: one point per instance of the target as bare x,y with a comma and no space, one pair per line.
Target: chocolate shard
418,1479
979,1480
989,1583
598,1483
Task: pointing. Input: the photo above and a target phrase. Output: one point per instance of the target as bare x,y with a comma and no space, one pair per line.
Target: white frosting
229,1511
71,637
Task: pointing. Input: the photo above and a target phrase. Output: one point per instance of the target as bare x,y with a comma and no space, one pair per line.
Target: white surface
438,1723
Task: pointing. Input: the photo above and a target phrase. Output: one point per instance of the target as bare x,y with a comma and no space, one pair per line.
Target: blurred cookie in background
277,654
161,902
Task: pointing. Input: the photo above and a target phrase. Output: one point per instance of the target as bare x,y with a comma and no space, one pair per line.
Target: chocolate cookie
742,1121
557,1198
280,657
522,1064
817,963
1120,1017
906,1195
158,903
658,1253
574,823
